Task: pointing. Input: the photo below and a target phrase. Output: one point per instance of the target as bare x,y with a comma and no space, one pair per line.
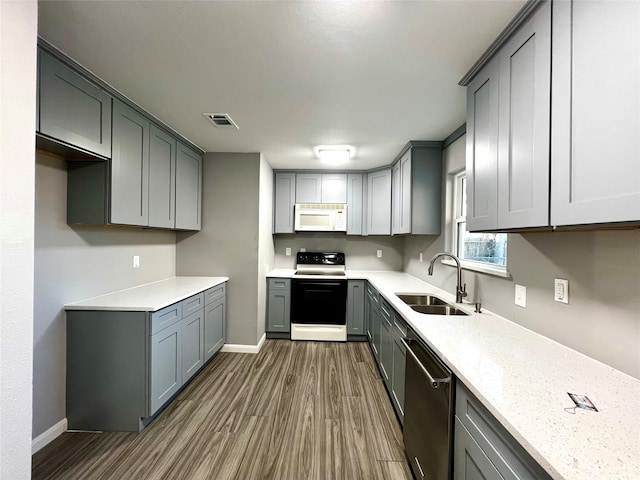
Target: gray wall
73,263
266,252
603,269
18,34
360,251
228,242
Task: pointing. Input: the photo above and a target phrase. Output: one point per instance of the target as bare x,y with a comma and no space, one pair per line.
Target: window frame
458,217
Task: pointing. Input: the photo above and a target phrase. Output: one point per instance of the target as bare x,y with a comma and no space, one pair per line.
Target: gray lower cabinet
399,354
373,314
123,367
188,189
279,305
355,204
483,449
284,200
214,320
596,113
72,109
386,343
379,202
355,307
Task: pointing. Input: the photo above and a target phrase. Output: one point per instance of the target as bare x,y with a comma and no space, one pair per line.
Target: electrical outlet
420,258
136,261
561,290
379,253
287,252
303,249
521,296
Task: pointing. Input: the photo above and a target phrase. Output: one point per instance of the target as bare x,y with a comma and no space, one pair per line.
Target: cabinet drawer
166,317
279,284
385,310
192,304
372,292
399,325
214,292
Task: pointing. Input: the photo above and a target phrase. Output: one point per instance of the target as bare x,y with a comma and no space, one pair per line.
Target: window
478,250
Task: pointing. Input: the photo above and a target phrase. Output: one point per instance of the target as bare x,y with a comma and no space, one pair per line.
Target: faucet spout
461,289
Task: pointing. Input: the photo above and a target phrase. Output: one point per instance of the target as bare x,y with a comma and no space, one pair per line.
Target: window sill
477,267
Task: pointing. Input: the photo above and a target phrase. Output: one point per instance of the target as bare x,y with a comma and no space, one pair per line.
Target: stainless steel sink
430,305
438,310
421,300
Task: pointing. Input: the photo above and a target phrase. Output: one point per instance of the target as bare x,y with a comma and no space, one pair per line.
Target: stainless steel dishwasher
428,411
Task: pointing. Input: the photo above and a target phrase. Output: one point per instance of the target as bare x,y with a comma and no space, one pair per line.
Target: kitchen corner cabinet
124,366
379,202
483,449
284,202
321,188
596,113
355,203
188,189
508,121
416,190
355,307
279,305
71,109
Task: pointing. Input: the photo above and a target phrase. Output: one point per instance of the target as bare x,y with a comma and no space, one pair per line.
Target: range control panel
320,258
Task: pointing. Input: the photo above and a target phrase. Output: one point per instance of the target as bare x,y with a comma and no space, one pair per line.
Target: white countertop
523,379
149,297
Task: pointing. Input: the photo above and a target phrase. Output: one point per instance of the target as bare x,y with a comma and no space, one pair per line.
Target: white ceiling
292,75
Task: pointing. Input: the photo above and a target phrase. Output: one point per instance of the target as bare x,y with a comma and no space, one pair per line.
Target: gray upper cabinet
379,202
321,188
417,186
355,204
188,189
129,167
284,201
482,149
596,113
71,109
524,115
162,178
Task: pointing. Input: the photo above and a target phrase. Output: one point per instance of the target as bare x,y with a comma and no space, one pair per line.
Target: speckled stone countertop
148,297
523,379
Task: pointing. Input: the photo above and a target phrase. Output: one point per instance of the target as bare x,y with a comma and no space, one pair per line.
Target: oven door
318,302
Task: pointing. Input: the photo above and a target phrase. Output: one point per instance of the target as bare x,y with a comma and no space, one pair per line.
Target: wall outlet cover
287,251
421,258
379,253
561,290
521,296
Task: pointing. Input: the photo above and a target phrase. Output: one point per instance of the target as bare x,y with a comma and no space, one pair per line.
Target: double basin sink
429,305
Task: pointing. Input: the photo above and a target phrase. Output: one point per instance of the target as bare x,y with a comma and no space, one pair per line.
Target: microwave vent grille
320,206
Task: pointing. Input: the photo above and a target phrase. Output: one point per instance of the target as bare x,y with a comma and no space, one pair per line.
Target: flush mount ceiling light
334,154
221,120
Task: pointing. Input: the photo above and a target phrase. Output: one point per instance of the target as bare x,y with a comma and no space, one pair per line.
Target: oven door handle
435,382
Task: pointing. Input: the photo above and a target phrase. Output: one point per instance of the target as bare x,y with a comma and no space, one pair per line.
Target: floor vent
221,120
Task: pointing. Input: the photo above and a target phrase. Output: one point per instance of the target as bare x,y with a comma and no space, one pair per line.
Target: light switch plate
521,296
136,261
421,258
379,253
561,290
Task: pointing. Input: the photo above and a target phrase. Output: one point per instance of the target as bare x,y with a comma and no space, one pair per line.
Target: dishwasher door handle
435,382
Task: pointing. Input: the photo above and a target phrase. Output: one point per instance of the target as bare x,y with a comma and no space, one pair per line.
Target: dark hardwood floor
297,410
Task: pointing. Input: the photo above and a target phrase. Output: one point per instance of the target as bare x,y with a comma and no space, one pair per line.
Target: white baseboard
238,348
48,436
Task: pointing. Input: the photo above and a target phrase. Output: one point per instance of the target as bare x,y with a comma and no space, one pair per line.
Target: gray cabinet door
188,189
379,202
129,167
386,344
524,116
398,375
284,201
166,365
334,188
214,327
279,305
192,344
308,188
595,174
162,178
396,193
469,461
482,149
72,109
354,204
355,307
404,223
368,315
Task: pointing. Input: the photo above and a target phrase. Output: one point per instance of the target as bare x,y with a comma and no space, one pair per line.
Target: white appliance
320,217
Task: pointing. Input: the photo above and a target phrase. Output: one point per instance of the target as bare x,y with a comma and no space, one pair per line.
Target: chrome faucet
461,290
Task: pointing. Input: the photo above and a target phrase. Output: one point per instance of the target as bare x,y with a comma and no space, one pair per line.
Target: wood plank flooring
297,410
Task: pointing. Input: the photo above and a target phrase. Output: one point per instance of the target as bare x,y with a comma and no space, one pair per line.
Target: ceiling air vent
221,120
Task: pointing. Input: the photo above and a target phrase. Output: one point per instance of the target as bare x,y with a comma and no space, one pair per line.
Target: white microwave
320,217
